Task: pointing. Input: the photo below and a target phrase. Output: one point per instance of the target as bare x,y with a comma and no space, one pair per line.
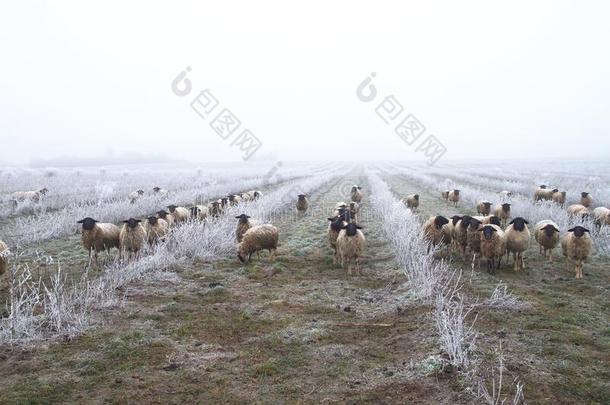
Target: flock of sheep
490,235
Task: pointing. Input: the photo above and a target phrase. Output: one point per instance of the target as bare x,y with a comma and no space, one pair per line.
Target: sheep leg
90,257
349,267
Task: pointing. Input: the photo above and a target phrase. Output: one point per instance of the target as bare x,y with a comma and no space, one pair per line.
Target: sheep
224,203
544,194
167,217
450,227
445,195
578,210
517,240
332,233
259,237
354,207
459,233
214,209
97,236
234,199
546,233
586,199
252,195
198,212
356,193
340,207
473,239
576,247
540,193
302,203
4,253
33,196
132,238
488,220
492,242
454,197
350,246
411,201
433,231
243,225
156,229
559,197
601,216
134,195
159,192
180,214
484,208
502,211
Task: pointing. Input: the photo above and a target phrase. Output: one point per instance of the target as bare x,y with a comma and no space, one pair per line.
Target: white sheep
32,196
350,246
578,210
484,207
505,195
302,203
492,242
134,195
576,246
356,193
132,238
214,209
156,229
544,194
411,201
546,233
98,236
454,197
601,216
234,199
259,237
517,237
180,214
244,223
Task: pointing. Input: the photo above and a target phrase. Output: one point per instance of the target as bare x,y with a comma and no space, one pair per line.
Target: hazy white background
519,79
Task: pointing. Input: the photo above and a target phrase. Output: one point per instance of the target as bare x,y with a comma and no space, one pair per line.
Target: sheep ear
358,227
344,227
586,230
80,222
126,221
525,220
511,222
571,230
138,220
556,229
238,217
331,219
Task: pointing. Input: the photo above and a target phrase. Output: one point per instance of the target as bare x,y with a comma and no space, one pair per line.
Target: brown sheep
502,211
350,246
576,247
484,208
546,233
98,236
586,199
302,203
257,238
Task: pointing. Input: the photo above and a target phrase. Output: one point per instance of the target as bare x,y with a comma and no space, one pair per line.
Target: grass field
300,330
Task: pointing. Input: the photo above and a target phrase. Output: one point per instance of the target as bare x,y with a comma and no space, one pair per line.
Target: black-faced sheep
244,223
559,197
234,199
98,236
473,239
411,201
332,233
257,238
198,212
460,233
159,192
215,209
586,199
180,214
502,211
356,193
134,195
517,237
576,247
484,208
546,233
350,246
492,244
156,229
454,196
132,238
578,210
434,233
169,218
302,203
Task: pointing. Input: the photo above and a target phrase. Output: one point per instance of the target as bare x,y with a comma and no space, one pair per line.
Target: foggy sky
514,80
